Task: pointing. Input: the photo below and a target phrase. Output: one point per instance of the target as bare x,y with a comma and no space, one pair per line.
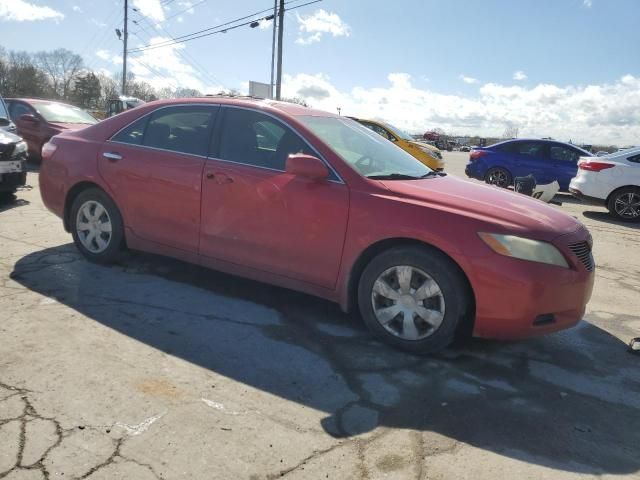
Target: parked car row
613,180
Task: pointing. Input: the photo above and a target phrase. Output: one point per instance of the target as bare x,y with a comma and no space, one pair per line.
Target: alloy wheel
408,302
498,177
627,205
93,226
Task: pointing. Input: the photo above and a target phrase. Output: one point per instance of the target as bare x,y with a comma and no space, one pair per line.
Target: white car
612,181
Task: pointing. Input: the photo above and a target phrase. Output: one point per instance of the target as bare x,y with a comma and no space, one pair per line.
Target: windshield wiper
433,173
393,176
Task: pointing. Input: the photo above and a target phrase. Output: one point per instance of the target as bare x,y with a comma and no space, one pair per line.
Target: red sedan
39,120
318,203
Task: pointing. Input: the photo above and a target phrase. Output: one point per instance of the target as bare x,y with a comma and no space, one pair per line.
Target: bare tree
61,67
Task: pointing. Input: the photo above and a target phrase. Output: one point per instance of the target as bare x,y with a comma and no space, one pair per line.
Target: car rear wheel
624,204
413,298
96,226
498,176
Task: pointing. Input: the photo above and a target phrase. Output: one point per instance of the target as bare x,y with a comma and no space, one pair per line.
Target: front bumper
518,299
12,175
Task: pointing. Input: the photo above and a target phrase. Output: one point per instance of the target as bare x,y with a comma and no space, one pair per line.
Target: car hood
422,144
508,211
7,138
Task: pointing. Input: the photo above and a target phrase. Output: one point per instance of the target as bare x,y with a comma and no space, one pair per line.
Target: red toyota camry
318,203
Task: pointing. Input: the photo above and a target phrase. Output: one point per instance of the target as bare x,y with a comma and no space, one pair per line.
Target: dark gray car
13,155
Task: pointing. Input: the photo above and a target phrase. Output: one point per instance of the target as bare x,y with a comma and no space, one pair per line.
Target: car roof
544,140
285,107
38,100
623,154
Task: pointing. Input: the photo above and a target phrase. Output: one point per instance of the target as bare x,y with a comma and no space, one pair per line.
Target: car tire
621,204
433,276
96,226
498,176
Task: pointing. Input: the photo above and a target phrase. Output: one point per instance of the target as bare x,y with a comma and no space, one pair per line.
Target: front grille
582,250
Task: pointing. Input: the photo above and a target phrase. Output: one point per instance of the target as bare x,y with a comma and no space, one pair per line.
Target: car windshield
398,132
3,109
58,112
365,151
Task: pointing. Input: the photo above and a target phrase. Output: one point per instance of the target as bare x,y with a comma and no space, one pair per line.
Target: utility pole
273,43
124,50
280,29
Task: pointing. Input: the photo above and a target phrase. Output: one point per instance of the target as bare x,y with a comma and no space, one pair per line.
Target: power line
184,55
184,10
216,29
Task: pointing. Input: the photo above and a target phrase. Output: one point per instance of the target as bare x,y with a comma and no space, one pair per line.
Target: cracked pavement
155,369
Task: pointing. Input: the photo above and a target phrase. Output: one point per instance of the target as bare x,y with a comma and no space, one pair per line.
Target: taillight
48,149
476,154
594,166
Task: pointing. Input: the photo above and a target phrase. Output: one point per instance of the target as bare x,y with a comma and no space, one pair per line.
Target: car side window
634,158
379,130
184,129
133,133
532,149
253,138
19,109
563,154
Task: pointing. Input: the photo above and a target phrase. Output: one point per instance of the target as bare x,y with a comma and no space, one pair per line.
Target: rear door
564,160
256,215
529,157
154,167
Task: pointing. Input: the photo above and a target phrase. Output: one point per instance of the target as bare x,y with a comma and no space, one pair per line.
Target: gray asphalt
157,369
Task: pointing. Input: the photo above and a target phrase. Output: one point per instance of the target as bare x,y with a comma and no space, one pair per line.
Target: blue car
546,160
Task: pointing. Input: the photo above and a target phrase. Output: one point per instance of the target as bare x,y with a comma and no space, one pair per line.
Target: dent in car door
256,215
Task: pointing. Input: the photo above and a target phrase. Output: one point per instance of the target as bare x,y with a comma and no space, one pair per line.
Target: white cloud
165,67
606,113
76,9
23,11
265,24
587,3
519,75
312,27
98,23
105,55
469,80
151,9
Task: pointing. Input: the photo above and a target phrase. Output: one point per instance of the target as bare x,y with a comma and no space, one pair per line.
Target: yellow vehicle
427,154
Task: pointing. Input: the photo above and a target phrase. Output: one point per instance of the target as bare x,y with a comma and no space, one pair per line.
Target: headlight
524,248
429,152
21,147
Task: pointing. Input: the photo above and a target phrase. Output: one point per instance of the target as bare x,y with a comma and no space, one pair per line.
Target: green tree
87,91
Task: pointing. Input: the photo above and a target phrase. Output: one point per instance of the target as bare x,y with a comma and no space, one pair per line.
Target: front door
154,167
256,215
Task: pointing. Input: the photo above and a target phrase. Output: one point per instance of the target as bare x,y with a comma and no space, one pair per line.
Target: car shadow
11,201
605,217
567,401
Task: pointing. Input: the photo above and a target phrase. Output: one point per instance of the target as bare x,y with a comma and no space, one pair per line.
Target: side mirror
307,166
4,122
29,118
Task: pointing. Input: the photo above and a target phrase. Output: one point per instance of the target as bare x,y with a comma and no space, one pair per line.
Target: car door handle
112,156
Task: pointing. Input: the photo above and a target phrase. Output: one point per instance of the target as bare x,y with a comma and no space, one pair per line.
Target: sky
569,69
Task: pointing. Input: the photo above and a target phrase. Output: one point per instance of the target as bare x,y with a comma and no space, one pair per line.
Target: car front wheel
625,204
97,226
413,298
